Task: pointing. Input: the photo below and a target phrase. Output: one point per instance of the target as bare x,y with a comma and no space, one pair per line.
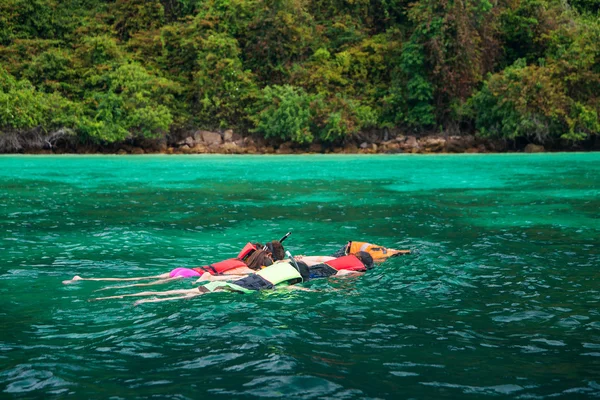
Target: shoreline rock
230,142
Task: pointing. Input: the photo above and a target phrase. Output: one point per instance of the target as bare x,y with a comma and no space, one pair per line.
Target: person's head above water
260,258
276,249
365,258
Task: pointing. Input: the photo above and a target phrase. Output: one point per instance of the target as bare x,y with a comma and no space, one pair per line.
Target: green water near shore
501,299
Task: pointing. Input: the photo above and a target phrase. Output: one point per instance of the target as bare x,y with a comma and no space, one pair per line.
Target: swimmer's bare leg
161,281
189,296
208,277
138,278
165,293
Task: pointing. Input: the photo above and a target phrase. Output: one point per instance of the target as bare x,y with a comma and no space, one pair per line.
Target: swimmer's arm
138,278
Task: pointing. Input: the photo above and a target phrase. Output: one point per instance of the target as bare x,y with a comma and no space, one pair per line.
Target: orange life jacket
248,249
379,253
221,267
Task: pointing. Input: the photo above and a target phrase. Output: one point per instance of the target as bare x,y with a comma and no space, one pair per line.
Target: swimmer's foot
75,279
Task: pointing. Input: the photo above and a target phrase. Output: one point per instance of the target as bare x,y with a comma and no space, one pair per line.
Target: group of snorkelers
259,267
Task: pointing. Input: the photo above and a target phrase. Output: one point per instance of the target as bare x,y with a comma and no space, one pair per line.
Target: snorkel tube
285,237
294,263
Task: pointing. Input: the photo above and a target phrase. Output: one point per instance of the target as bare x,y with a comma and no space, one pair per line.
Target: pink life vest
350,263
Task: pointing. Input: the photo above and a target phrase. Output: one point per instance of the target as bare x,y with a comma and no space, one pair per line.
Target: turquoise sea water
500,301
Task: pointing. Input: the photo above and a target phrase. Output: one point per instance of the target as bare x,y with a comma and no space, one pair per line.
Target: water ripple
499,299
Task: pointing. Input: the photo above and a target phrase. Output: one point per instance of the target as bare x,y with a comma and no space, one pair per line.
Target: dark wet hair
365,258
258,259
276,249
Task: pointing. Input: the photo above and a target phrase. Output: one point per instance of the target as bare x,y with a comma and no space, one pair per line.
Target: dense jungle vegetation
299,70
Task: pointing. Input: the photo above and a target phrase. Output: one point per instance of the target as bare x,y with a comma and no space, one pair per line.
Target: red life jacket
350,263
248,249
221,267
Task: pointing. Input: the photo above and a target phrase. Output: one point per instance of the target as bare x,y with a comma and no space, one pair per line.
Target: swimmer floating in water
251,258
379,253
280,275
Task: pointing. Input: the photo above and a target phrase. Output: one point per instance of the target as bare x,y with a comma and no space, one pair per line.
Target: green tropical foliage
300,70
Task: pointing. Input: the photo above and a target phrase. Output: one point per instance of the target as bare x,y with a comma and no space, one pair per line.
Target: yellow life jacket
279,272
379,253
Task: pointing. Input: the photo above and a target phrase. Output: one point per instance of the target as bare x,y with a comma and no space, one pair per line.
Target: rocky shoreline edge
229,142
